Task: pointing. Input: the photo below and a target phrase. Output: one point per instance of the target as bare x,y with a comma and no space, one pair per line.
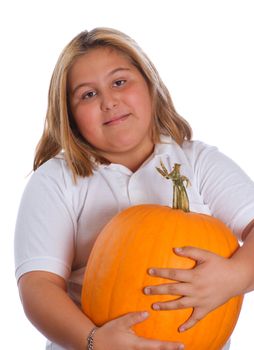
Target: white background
203,51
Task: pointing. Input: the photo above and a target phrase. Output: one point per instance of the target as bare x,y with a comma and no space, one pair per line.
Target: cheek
143,105
85,119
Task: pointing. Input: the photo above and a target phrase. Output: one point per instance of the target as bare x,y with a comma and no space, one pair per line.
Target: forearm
244,258
53,313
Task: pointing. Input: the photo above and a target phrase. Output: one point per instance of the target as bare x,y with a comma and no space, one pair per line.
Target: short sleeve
45,226
225,187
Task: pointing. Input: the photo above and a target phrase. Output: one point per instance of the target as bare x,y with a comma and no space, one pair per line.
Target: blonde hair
60,132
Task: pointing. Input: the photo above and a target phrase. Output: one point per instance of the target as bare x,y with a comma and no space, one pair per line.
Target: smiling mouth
116,120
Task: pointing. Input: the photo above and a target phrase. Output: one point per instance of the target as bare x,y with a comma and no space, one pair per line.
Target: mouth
116,119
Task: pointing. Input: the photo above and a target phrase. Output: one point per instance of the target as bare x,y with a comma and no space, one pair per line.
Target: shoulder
56,170
54,180
196,148
199,154
55,167
192,152
191,147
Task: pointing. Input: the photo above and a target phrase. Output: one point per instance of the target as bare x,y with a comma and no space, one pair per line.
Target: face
111,104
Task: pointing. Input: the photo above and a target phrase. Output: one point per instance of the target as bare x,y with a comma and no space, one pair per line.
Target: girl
110,121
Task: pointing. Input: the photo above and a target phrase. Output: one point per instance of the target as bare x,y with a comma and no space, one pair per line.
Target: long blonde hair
60,132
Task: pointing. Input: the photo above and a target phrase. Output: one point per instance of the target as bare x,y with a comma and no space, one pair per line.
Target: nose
108,101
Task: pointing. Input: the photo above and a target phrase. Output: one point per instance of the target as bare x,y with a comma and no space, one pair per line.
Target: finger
195,317
176,304
179,289
130,319
179,275
198,254
150,344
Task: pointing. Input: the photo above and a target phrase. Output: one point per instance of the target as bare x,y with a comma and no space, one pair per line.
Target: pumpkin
144,236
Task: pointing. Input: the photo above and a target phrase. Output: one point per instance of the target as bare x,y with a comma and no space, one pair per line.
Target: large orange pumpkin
141,237
144,236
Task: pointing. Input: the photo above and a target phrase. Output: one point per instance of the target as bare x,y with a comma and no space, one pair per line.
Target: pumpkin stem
180,182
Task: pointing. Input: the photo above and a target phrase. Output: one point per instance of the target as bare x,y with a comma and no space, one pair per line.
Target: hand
118,335
209,284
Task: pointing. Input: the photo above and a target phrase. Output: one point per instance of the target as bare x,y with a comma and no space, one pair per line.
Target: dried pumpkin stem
180,182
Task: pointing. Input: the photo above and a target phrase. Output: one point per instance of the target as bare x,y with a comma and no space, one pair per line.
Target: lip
116,119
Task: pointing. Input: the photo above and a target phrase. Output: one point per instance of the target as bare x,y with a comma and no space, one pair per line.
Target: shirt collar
160,149
163,146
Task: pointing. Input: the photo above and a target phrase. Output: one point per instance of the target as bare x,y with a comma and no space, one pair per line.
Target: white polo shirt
58,221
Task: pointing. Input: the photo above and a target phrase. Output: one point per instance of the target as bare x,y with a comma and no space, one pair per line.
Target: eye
88,95
119,82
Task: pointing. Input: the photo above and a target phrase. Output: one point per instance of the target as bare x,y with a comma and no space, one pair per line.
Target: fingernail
144,314
178,250
156,307
181,329
147,290
181,347
151,272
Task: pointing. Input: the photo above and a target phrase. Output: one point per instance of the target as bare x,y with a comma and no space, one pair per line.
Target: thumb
197,254
132,318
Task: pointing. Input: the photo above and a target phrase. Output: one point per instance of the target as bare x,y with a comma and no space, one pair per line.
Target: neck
131,160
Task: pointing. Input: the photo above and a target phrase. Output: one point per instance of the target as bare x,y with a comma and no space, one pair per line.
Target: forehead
102,58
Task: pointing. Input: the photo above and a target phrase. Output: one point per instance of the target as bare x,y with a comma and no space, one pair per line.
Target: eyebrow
90,83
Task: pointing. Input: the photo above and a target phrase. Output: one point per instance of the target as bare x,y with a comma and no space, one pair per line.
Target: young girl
110,121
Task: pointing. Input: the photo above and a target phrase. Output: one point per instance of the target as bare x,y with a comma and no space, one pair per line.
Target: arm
49,308
244,257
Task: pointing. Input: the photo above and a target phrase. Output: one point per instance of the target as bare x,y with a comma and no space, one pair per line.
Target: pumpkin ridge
118,258
178,226
217,335
156,325
232,323
145,277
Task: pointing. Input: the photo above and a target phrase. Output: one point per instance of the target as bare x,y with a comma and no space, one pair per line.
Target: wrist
90,338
